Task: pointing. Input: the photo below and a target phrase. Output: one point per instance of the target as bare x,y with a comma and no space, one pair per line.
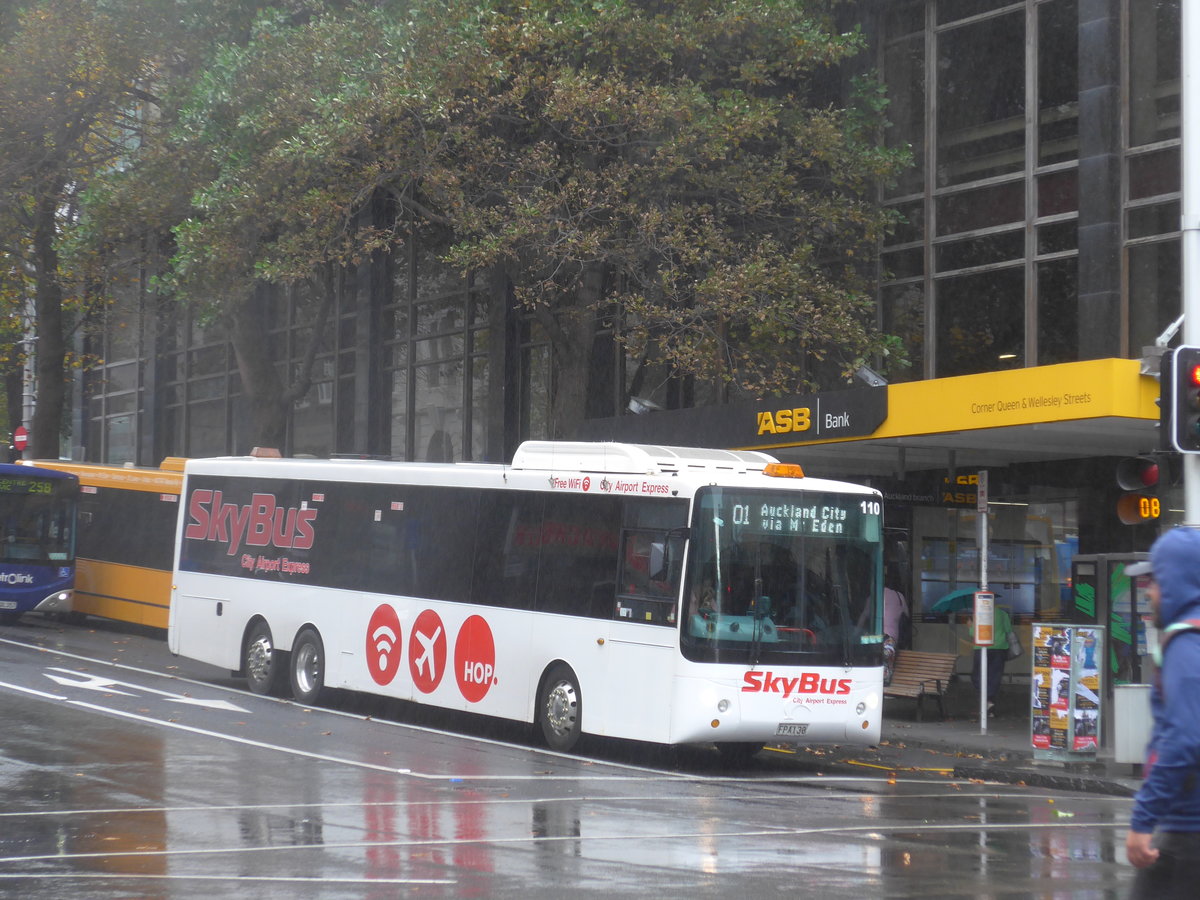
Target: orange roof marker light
783,470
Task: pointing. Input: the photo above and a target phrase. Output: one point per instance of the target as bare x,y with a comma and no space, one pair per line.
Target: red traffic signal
1185,400
1137,473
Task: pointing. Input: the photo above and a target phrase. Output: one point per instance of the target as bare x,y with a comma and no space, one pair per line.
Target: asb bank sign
777,422
820,417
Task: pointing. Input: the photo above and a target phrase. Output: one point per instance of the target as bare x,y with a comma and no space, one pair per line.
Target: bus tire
262,662
308,667
738,753
560,709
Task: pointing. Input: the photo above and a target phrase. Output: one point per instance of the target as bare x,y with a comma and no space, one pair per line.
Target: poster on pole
985,619
1066,697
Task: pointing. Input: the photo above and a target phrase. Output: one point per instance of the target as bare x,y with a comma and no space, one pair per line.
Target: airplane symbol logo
426,641
427,651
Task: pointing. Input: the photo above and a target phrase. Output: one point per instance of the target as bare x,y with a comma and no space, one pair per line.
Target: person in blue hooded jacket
1164,836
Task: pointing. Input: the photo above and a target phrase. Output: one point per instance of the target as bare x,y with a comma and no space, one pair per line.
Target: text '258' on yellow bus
125,539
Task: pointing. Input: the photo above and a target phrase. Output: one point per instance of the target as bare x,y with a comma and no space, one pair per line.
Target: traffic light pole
1190,222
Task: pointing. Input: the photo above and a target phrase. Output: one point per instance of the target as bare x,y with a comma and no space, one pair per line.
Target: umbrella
963,598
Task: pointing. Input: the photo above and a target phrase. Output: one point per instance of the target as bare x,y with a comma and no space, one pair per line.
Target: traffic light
1139,477
1185,400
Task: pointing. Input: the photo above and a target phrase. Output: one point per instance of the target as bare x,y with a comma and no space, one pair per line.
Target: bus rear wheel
262,661
308,667
560,709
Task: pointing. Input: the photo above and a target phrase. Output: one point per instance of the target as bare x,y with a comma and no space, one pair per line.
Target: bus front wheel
262,662
308,667
560,709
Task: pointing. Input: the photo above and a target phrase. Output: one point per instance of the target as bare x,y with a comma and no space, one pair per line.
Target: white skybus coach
671,595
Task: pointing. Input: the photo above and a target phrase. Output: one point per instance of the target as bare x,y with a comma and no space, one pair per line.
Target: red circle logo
383,645
475,659
427,651
587,483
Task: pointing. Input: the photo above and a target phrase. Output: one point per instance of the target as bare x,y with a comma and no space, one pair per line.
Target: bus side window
646,590
580,536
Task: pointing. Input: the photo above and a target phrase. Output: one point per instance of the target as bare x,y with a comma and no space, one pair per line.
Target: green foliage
685,162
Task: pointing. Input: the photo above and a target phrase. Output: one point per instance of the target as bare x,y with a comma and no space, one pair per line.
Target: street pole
981,516
1190,221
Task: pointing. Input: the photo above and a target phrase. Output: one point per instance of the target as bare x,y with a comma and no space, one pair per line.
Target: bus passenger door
641,645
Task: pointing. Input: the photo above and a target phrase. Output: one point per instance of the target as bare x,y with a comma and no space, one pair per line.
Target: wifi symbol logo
385,640
384,649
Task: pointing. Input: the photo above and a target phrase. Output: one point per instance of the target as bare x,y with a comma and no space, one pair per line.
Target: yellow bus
125,539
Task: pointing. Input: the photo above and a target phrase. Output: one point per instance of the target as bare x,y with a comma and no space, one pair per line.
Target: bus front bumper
58,602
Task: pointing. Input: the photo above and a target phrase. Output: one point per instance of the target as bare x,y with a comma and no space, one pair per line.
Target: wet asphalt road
126,773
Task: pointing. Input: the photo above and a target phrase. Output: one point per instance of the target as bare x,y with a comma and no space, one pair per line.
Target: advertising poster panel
1065,690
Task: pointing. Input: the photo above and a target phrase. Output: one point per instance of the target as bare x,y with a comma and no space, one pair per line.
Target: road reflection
62,798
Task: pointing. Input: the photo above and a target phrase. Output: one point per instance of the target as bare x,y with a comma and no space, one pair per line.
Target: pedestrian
1164,829
895,611
997,656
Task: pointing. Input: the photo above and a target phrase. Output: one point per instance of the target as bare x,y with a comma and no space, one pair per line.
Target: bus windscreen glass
784,578
37,521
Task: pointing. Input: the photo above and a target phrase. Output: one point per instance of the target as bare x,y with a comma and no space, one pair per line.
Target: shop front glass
1030,547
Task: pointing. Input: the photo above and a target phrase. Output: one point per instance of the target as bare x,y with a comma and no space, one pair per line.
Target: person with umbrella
997,652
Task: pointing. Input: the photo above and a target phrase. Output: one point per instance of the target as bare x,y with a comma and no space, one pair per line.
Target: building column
1100,167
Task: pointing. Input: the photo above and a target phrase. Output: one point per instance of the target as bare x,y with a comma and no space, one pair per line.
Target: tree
684,163
679,166
79,82
223,179
67,78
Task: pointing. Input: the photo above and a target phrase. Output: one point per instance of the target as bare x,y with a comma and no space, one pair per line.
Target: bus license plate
791,729
8,604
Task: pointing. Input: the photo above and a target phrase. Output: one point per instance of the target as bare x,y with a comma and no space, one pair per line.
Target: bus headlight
861,708
723,706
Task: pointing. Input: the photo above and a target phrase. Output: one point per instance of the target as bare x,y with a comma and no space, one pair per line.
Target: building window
980,322
1058,82
1155,279
1154,53
1058,311
998,222
981,99
433,331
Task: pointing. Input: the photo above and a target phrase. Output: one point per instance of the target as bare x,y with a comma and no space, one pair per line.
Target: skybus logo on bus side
261,522
804,683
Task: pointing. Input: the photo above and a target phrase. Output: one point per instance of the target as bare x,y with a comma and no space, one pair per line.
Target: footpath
954,746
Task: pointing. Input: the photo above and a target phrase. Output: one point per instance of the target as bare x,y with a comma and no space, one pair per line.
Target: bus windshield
778,577
37,520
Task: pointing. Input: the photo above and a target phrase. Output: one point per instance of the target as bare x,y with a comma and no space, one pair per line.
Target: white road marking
105,685
239,879
820,830
441,803
90,683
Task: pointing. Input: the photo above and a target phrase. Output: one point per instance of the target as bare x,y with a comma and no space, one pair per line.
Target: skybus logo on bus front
261,522
804,683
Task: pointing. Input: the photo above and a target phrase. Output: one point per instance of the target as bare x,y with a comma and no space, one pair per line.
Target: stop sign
20,437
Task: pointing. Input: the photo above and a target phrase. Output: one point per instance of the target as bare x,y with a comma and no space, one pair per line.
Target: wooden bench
919,675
